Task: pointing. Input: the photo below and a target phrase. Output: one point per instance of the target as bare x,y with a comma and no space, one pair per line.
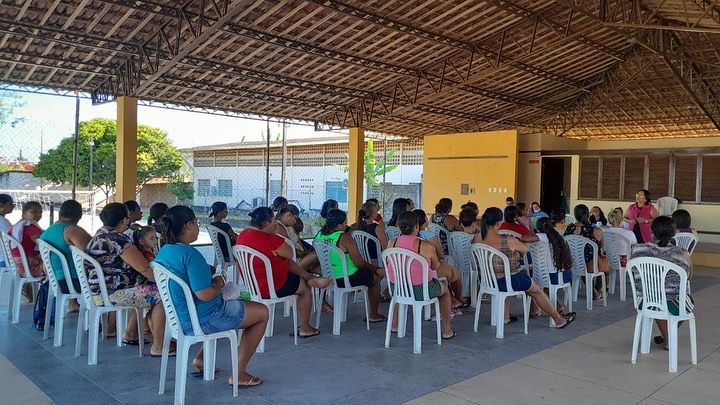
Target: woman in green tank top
359,271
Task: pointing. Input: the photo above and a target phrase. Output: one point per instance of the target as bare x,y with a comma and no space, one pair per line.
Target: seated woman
399,206
285,220
214,312
288,277
443,218
559,254
557,217
453,276
409,228
378,217
157,212
366,223
663,230
536,213
135,214
128,276
26,231
511,221
523,217
218,212
584,228
683,221
327,206
468,220
62,234
597,217
278,203
359,271
615,220
490,223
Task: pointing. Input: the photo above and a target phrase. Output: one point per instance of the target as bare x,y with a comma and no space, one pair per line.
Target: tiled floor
585,363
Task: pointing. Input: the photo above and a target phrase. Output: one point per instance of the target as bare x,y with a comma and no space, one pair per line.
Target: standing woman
214,312
640,215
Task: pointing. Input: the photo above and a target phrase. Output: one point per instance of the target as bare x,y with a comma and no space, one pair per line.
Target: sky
50,118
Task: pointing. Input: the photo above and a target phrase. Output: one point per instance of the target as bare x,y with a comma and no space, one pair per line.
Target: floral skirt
143,296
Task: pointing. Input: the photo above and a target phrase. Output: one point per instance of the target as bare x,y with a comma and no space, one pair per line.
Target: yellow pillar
356,172
126,150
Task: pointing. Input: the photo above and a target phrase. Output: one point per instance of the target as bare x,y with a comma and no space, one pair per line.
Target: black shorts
290,287
361,277
64,287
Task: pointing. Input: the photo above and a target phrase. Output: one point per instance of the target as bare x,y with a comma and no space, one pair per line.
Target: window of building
203,187
710,174
589,166
224,188
337,190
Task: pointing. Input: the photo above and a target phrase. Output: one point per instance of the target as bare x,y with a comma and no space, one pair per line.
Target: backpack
41,307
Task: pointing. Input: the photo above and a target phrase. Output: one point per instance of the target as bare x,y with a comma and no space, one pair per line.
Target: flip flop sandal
253,382
135,342
450,337
382,319
317,332
569,318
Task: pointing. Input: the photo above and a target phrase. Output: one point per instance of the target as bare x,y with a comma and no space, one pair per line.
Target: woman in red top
511,221
288,277
640,216
27,232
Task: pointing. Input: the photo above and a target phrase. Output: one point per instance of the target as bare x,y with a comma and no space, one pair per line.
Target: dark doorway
554,186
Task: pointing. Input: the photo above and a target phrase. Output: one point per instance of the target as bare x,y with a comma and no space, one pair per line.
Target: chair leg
477,311
568,298
48,313
417,328
623,284
526,310
646,335
80,329
294,307
141,330
367,309
612,281
390,318
271,321
234,358
500,317
589,293
636,337
60,310
474,296
603,279
437,323
693,341
575,288
93,337
553,301
337,312
209,349
17,296
164,360
286,309
345,298
402,320
672,345
120,323
11,297
318,308
493,310
183,350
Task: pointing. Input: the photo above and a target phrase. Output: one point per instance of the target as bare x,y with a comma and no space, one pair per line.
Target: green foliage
375,166
181,189
9,102
156,156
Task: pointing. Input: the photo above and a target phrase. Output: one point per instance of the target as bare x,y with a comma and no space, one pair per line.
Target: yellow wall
486,161
529,170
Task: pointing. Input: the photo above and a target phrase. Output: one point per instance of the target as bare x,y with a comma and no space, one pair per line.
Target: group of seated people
124,249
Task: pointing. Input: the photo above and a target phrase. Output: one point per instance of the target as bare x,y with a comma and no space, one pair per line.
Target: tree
156,156
181,189
374,166
9,102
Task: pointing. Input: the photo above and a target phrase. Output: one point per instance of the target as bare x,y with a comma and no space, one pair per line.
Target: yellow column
126,150
356,172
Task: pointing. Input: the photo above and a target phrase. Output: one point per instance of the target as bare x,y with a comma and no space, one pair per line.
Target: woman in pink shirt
640,215
409,228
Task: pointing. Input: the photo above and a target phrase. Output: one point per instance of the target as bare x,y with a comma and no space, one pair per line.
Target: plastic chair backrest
163,277
460,251
615,244
482,259
686,240
80,258
246,257
363,241
666,205
324,251
569,219
46,252
509,233
435,228
653,274
292,246
10,243
392,232
398,262
215,233
577,250
540,252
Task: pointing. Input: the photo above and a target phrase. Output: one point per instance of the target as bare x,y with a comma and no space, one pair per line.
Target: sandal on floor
450,337
171,353
252,382
382,319
135,342
317,332
569,318
658,340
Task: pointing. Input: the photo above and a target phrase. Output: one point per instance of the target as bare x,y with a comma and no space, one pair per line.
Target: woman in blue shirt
214,312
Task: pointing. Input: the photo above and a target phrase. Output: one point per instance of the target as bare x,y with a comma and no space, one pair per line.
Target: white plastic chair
18,282
577,245
96,312
246,257
666,205
460,253
653,273
174,330
398,263
392,232
54,292
482,259
365,242
226,268
340,295
6,269
542,265
526,262
615,245
569,219
686,240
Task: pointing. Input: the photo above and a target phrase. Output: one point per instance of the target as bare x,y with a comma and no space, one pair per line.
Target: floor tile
695,386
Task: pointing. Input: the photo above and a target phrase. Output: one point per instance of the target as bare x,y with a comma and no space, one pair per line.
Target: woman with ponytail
214,312
490,223
366,223
583,227
663,231
359,271
218,212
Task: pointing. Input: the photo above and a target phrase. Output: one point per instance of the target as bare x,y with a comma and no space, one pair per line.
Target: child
146,241
27,232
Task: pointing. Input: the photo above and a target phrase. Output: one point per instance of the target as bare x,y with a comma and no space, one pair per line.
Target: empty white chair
246,257
174,330
541,254
221,265
95,312
54,292
686,240
392,232
577,245
666,205
654,305
482,258
460,253
18,282
616,246
324,251
398,263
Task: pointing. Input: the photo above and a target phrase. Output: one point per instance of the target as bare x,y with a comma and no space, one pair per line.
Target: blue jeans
227,316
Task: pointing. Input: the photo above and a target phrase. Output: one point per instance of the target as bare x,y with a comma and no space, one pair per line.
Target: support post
356,170
126,151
